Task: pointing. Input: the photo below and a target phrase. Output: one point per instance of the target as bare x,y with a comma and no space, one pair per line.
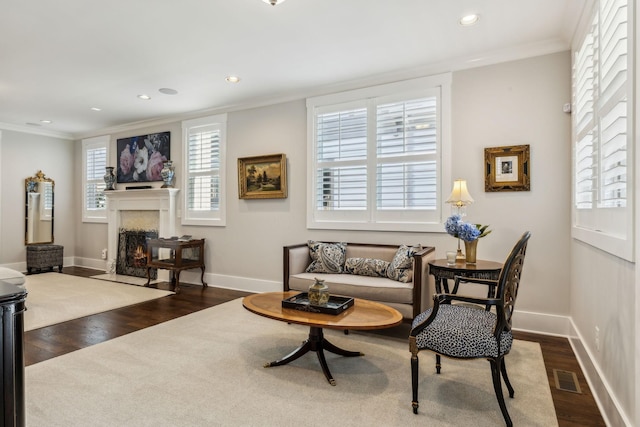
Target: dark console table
12,305
175,255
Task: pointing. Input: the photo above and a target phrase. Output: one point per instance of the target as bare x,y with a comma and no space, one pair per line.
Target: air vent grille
566,381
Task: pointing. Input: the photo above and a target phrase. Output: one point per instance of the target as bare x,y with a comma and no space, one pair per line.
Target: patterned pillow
366,267
326,257
401,267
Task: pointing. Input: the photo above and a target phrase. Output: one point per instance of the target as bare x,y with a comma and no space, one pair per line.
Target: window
94,162
602,208
46,207
376,156
204,163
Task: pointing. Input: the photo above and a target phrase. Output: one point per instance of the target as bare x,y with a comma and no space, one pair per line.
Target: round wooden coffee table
364,315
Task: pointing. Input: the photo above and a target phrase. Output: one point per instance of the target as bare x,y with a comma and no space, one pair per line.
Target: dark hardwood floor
572,409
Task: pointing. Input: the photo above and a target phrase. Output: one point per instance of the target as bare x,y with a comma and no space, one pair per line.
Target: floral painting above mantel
141,158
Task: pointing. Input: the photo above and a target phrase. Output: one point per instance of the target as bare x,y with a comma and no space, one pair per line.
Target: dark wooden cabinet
175,255
12,305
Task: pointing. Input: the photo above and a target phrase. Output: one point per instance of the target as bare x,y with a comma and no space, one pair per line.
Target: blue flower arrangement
466,231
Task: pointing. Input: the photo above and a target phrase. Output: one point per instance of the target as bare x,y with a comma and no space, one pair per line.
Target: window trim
96,215
441,81
619,244
215,220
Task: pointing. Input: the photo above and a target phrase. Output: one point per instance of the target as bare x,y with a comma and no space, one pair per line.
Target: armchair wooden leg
503,368
496,367
414,382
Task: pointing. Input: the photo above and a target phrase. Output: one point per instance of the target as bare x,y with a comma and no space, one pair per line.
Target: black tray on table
336,304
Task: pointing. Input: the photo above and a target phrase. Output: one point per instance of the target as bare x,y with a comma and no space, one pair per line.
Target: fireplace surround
160,203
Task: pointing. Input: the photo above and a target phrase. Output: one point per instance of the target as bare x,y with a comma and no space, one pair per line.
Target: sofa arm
423,282
296,258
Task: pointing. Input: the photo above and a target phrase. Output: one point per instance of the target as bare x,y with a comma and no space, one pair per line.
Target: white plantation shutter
377,157
204,164
341,150
47,201
95,155
406,148
601,129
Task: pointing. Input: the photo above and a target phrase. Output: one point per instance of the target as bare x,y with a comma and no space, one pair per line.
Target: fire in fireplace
132,253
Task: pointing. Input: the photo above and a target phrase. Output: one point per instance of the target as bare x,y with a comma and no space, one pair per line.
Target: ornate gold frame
251,186
507,168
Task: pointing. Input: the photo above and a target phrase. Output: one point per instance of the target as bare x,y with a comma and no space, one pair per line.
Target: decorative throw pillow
326,257
401,267
366,267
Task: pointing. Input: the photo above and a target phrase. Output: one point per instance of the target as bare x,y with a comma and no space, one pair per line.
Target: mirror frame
30,186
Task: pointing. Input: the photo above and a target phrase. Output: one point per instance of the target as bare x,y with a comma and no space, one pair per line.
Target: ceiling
58,59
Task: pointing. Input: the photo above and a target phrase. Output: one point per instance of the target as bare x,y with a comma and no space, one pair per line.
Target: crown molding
36,131
455,64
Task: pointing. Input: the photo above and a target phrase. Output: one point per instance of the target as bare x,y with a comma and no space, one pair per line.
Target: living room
516,99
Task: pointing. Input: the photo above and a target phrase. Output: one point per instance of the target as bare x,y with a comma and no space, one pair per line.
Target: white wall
519,103
512,103
22,156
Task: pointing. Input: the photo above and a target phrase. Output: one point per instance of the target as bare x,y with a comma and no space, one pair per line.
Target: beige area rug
122,278
54,298
205,369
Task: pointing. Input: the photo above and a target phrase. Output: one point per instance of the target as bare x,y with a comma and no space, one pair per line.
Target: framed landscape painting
141,158
262,177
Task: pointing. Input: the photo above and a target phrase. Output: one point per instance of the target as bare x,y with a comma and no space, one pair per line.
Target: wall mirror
38,209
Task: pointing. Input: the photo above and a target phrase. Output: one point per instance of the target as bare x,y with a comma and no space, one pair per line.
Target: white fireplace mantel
161,200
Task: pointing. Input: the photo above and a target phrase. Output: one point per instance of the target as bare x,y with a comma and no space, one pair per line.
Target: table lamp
459,199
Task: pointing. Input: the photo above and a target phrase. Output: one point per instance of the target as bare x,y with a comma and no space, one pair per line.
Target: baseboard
542,323
22,266
97,264
607,403
245,284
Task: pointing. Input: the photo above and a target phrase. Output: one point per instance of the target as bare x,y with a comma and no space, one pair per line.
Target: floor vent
566,381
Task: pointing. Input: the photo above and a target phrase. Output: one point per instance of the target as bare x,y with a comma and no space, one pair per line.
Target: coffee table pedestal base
318,343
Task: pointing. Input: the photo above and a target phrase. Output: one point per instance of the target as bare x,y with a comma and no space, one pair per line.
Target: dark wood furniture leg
204,284
318,343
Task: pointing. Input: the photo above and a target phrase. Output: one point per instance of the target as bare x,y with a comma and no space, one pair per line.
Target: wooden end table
443,272
175,255
364,315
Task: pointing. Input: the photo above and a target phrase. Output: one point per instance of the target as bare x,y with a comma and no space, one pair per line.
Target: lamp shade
460,195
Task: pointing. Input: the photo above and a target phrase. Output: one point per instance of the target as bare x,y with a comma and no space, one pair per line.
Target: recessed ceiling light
467,20
273,2
168,91
33,124
96,109
46,122
232,79
145,97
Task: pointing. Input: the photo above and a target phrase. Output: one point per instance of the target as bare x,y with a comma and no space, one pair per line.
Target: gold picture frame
262,177
507,168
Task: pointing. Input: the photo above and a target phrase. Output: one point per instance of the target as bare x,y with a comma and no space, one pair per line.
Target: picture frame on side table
507,168
262,177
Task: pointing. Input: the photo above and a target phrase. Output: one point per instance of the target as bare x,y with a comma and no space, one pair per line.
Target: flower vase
470,251
318,293
109,178
167,173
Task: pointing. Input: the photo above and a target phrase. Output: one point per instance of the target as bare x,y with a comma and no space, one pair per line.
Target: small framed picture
507,168
262,177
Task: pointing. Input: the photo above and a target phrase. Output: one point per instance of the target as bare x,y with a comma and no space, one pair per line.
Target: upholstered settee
395,275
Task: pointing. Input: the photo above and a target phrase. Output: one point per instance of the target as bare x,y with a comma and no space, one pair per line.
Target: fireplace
145,210
132,253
